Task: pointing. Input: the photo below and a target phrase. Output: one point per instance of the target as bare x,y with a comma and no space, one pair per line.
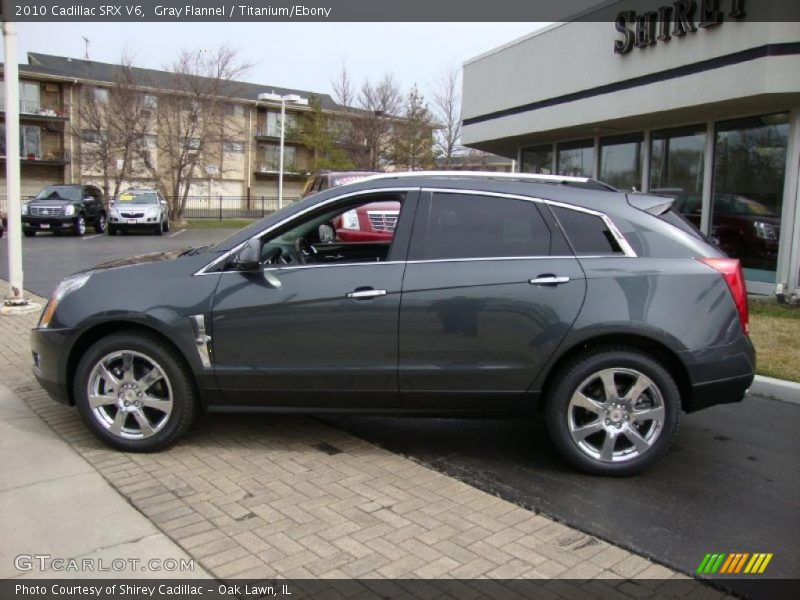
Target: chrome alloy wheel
616,415
129,395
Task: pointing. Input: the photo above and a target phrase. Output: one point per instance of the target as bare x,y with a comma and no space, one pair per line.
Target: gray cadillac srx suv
605,313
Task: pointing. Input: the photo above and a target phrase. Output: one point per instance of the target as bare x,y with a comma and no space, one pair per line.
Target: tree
111,123
379,103
191,123
320,134
412,137
447,112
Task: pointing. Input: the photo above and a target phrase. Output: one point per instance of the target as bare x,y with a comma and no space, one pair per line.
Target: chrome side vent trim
201,339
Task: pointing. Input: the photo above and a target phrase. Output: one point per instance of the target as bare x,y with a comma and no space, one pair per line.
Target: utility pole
11,82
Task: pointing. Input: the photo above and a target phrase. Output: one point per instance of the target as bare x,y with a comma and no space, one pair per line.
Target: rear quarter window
587,233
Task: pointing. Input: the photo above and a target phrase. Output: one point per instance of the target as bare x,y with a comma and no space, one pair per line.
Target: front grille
383,221
131,215
45,211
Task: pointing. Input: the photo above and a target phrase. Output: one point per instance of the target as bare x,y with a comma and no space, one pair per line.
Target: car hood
138,260
51,201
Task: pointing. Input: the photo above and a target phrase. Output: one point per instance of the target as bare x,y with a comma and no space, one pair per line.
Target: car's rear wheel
134,392
613,411
80,226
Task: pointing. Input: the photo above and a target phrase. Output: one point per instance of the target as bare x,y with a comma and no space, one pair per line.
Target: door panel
475,333
307,343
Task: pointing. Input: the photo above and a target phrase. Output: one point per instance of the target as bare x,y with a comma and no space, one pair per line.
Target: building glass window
749,173
30,142
272,154
621,161
537,159
272,126
101,95
29,97
576,158
676,168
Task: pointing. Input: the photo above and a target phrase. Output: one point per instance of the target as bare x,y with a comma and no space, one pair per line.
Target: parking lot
729,484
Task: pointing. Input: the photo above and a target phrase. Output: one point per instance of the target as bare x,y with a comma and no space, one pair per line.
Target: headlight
67,286
765,231
69,209
350,220
152,212
114,212
25,208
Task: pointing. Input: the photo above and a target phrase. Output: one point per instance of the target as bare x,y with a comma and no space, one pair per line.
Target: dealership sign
640,30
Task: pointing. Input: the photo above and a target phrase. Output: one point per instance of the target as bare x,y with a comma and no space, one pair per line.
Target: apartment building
245,164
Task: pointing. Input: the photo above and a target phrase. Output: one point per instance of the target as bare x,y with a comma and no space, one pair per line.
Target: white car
138,209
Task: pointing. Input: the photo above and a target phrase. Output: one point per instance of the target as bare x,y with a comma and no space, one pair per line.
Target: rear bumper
49,349
719,375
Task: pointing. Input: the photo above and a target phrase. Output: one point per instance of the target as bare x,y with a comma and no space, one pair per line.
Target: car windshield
62,192
137,198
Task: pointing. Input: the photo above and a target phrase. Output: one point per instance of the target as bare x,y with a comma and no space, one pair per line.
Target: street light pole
280,160
16,291
283,99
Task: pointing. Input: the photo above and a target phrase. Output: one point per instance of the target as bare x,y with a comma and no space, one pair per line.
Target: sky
304,56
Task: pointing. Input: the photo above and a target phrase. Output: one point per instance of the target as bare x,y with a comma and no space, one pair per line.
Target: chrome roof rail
482,174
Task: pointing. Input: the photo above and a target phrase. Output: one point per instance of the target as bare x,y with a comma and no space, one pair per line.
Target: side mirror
325,233
248,258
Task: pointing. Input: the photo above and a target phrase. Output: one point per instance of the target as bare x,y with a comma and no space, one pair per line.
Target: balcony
273,134
45,157
32,110
269,169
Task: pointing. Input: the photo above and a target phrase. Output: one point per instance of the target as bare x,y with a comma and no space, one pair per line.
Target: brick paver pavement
281,496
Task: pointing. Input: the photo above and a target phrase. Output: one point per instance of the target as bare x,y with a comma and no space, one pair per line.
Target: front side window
356,231
462,226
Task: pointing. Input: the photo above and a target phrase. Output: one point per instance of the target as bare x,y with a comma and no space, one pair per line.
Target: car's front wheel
100,224
134,392
80,226
613,411
28,232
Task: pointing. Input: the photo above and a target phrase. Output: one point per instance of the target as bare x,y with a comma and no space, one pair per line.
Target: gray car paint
305,346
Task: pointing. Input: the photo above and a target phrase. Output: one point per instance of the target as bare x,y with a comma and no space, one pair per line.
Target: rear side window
587,233
473,226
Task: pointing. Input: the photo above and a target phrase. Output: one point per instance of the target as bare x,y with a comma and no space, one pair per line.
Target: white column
11,77
789,250
645,183
708,178
280,166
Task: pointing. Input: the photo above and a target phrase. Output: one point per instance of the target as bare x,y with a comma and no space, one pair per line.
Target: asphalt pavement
47,258
730,483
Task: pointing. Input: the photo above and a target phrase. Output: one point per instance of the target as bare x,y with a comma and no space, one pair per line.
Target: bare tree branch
447,112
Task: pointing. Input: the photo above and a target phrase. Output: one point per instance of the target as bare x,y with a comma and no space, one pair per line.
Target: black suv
606,313
65,208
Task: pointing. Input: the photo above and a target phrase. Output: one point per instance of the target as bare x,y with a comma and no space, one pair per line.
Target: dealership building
701,107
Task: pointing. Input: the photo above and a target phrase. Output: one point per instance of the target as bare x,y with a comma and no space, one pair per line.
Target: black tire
100,224
178,378
112,229
573,377
28,233
79,228
166,225
159,229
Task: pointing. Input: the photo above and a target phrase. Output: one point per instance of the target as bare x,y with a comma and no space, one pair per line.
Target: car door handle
365,293
549,280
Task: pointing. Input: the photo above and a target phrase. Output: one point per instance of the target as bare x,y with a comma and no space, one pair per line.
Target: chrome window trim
479,175
627,250
216,261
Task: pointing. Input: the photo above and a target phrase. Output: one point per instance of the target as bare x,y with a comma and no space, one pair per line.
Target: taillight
731,270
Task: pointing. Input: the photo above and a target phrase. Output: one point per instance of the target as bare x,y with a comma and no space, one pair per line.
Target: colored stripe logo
734,563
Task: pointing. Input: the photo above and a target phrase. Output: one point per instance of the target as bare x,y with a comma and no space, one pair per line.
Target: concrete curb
777,389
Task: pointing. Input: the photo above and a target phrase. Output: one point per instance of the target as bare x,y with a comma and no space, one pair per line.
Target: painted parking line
91,237
177,233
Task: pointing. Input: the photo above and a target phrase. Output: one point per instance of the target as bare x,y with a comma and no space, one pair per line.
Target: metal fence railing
232,207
